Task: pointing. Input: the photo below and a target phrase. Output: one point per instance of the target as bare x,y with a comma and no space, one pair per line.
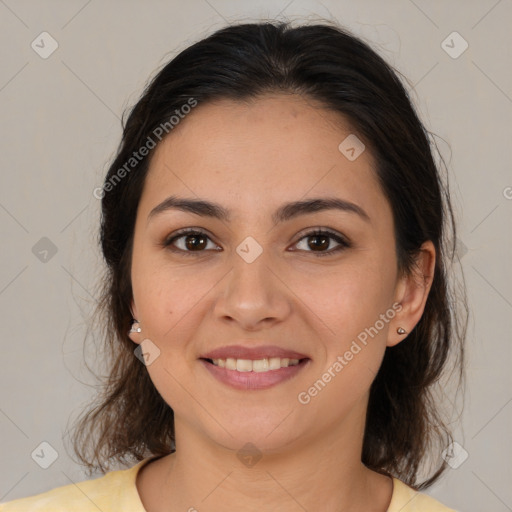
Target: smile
258,365
248,374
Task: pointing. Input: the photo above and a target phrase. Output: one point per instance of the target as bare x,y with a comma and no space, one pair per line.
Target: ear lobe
412,293
135,332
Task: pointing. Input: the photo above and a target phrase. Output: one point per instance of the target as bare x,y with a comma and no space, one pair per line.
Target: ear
412,293
135,336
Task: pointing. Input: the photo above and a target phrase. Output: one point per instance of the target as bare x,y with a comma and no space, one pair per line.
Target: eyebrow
285,212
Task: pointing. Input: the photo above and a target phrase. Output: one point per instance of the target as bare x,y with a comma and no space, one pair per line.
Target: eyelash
344,243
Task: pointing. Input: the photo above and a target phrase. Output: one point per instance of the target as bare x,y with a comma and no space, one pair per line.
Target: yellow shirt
116,492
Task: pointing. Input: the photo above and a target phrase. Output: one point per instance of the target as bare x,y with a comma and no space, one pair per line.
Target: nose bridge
252,292
251,277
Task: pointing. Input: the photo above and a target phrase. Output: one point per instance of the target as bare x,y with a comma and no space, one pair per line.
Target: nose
253,295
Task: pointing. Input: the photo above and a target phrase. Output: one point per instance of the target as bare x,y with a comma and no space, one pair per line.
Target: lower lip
254,380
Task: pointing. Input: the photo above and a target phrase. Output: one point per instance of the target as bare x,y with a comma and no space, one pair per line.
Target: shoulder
113,491
406,499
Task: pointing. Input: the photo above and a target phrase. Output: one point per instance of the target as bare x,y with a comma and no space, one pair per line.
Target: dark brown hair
325,63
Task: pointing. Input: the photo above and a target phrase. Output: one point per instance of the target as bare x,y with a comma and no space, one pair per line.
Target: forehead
273,149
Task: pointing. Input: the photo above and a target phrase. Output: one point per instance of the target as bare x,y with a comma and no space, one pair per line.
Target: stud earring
401,331
135,327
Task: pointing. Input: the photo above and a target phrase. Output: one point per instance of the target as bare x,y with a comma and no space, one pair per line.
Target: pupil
322,245
195,244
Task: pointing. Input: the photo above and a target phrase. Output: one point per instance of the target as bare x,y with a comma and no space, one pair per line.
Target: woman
274,227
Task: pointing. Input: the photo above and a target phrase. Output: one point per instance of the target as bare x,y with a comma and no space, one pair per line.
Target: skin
251,158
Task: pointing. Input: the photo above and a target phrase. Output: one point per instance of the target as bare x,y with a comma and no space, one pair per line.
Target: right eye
191,240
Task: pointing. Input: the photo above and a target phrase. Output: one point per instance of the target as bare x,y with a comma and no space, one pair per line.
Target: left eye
323,240
195,241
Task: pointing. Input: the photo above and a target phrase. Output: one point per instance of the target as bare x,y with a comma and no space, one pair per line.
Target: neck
323,472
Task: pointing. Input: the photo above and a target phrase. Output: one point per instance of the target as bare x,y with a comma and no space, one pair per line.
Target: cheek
173,301
356,308
347,299
353,304
168,301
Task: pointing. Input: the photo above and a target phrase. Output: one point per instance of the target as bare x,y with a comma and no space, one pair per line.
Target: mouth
254,374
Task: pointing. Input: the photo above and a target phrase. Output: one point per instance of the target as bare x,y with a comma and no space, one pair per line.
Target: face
253,280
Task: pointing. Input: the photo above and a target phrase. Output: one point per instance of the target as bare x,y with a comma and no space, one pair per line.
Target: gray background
60,128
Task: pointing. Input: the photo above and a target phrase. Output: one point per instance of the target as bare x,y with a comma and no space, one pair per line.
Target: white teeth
258,365
230,363
244,365
274,363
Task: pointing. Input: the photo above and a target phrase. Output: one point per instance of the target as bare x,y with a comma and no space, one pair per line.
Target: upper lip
253,353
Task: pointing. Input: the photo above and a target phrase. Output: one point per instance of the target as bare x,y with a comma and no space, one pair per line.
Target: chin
269,435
